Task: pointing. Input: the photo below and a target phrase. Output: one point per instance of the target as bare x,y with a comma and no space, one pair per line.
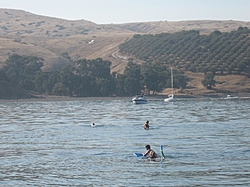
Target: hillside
47,37
188,50
225,84
29,34
204,26
51,38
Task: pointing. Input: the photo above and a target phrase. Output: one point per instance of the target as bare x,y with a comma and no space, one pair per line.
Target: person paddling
151,153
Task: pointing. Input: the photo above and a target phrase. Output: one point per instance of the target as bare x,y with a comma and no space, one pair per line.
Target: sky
130,11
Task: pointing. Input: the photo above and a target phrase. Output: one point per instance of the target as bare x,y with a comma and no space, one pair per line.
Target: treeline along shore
213,55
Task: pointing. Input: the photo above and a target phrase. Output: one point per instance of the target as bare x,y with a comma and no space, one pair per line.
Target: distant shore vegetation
216,53
88,78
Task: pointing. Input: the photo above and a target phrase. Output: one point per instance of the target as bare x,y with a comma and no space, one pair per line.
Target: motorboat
139,99
231,97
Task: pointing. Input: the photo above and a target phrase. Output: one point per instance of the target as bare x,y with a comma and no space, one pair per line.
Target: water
52,143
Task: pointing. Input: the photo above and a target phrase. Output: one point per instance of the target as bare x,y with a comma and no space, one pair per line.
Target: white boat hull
231,97
139,100
170,99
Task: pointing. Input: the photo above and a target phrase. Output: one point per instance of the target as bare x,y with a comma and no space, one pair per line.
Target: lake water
52,143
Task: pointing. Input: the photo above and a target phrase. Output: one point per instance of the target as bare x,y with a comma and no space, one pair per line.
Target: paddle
162,154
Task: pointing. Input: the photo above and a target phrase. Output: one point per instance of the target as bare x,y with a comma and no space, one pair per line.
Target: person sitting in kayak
146,125
151,153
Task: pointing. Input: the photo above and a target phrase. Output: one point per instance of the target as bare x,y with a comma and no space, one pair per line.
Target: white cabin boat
139,99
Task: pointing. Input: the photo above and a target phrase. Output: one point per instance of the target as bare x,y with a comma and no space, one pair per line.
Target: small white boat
231,97
139,99
171,97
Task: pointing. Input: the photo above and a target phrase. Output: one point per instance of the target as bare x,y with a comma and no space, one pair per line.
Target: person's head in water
147,147
146,125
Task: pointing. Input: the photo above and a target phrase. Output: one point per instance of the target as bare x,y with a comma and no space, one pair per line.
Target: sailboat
171,97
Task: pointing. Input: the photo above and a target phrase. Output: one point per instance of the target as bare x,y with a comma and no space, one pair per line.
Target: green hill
218,52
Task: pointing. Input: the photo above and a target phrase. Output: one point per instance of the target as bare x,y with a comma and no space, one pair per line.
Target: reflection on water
206,143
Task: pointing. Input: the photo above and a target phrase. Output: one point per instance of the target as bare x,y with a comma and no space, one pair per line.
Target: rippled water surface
52,143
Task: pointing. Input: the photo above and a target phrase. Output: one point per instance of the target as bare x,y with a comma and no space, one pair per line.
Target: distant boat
171,97
139,99
231,97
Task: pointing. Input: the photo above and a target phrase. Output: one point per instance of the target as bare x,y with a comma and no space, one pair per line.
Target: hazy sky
127,11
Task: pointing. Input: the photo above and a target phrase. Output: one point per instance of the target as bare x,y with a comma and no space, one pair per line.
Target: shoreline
149,97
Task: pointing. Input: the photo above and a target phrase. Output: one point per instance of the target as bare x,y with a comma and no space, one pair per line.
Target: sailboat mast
172,81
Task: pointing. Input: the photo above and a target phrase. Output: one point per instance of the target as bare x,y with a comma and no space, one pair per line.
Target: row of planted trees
191,51
88,78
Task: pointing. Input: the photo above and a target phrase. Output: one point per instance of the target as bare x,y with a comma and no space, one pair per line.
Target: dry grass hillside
204,26
25,33
47,37
29,34
226,84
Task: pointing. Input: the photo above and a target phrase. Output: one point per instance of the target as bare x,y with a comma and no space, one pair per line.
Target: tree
119,83
241,66
154,76
209,81
60,89
41,78
3,76
69,78
104,87
23,70
180,80
53,79
132,79
94,73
